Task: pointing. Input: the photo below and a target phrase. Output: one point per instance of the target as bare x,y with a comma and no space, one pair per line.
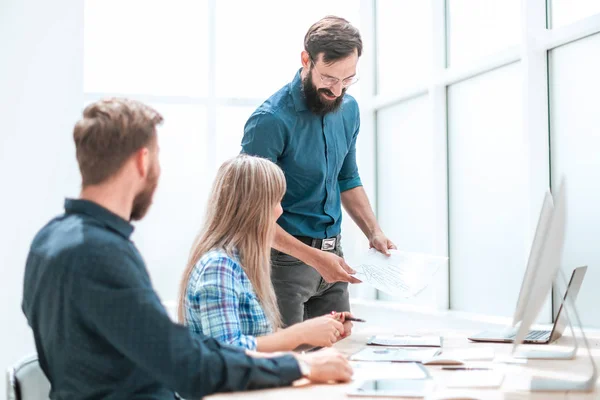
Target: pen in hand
353,319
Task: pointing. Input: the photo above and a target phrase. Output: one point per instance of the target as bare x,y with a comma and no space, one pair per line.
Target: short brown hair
333,36
109,133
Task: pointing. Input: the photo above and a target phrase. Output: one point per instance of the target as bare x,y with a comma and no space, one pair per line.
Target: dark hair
333,36
109,133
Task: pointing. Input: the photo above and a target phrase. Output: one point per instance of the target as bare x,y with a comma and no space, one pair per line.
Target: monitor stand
543,384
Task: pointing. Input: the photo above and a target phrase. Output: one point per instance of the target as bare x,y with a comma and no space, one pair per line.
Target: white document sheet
475,379
405,341
478,353
401,274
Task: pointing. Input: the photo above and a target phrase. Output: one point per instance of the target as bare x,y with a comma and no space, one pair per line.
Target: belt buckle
328,244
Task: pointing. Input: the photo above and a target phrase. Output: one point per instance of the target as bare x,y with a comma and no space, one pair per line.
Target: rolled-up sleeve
213,300
349,178
264,136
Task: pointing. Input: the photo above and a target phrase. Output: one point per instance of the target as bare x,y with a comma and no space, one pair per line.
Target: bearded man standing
309,128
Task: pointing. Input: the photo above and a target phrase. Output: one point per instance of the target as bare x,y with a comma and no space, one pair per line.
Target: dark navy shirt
317,155
101,331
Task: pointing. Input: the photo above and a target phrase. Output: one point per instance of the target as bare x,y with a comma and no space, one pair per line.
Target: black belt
323,244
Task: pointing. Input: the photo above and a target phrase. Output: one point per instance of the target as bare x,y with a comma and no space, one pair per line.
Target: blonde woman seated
226,290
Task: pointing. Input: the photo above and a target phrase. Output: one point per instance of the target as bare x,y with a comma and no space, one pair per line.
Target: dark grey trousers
301,291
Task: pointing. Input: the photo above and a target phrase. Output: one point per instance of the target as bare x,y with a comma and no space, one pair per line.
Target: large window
412,203
565,12
575,144
469,110
258,45
487,188
478,108
140,47
476,29
205,65
403,31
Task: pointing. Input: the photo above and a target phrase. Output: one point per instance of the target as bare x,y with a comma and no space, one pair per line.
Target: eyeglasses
330,81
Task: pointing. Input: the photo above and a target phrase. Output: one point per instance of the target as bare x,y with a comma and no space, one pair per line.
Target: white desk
455,327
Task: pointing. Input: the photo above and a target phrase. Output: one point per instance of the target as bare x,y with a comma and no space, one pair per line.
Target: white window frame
211,101
536,41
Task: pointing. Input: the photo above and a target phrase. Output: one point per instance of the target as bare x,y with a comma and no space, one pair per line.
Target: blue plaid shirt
220,301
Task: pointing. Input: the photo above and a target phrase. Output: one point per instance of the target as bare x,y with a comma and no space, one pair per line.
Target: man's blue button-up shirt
317,154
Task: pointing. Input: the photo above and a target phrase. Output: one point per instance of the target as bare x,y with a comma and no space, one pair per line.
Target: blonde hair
240,216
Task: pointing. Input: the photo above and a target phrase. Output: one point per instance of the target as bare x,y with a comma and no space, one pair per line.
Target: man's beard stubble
315,102
143,200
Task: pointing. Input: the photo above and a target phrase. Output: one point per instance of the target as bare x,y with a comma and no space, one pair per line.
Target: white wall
40,97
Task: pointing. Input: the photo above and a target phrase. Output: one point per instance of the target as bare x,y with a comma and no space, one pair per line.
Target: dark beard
143,200
313,98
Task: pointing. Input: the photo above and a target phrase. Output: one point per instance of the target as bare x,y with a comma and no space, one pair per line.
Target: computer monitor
540,233
545,269
542,336
571,291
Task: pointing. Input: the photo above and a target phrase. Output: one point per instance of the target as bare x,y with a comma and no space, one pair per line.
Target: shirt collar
297,93
235,254
96,211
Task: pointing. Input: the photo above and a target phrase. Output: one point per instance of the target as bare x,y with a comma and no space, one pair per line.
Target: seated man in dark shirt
100,329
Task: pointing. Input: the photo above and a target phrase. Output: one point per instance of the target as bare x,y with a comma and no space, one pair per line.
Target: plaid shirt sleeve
213,302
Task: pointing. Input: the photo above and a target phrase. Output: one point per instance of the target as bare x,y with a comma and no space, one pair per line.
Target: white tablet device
391,388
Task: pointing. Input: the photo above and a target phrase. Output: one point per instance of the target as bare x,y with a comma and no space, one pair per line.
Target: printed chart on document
403,274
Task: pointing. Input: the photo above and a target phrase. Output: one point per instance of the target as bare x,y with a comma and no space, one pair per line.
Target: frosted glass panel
480,28
575,144
403,44
488,192
165,236
564,12
146,47
230,129
412,200
256,53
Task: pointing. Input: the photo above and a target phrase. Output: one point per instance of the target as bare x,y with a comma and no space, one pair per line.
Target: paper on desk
401,273
405,341
364,370
475,379
477,353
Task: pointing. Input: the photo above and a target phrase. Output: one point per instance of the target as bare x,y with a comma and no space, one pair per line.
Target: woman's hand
341,316
321,331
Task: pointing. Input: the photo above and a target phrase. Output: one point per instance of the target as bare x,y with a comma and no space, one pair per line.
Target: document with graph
402,273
